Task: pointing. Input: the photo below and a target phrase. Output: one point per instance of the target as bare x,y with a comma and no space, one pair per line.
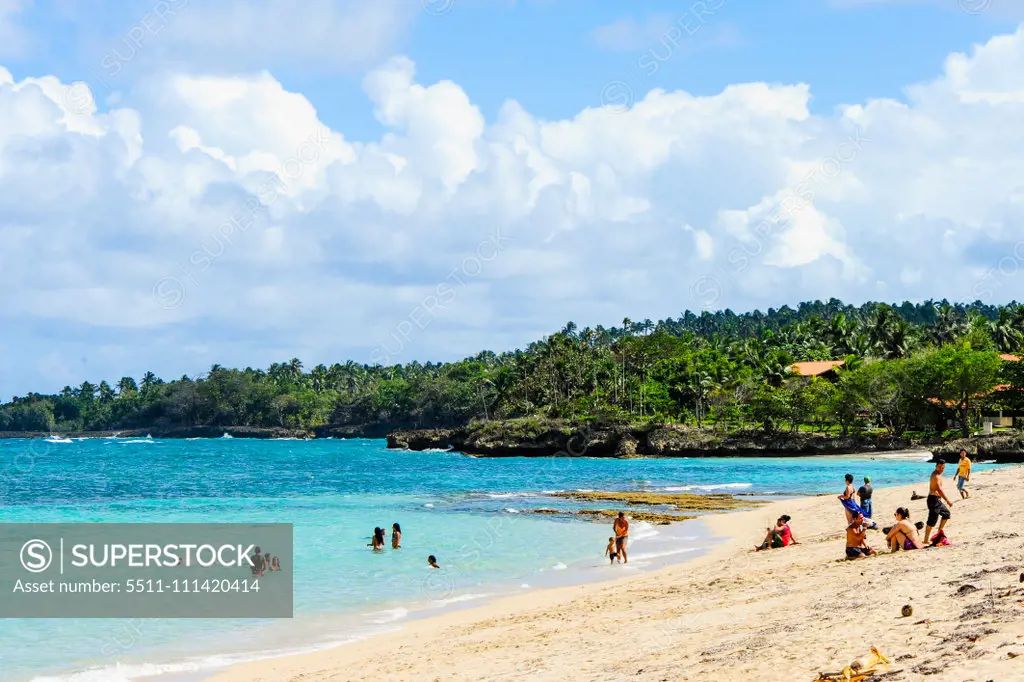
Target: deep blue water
465,510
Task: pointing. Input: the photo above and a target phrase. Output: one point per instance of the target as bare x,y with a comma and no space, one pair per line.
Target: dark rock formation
1002,447
550,438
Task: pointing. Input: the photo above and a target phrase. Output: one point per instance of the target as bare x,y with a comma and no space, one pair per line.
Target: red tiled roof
814,369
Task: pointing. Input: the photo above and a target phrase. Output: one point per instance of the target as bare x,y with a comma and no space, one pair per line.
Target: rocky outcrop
425,439
551,438
1002,447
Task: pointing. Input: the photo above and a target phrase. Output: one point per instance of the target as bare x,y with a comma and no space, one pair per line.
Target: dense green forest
907,367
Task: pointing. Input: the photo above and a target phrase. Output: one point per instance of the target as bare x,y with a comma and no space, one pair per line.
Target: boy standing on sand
963,474
935,507
621,528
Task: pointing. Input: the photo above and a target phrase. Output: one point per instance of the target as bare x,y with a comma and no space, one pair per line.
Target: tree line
913,366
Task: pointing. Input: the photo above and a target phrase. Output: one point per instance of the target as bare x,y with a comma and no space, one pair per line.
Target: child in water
432,561
610,552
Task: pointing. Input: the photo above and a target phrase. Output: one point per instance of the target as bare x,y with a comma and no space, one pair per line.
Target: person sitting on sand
935,507
963,474
610,552
903,535
432,561
396,536
856,539
621,527
779,536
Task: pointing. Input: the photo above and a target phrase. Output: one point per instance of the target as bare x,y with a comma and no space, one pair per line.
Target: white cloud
116,232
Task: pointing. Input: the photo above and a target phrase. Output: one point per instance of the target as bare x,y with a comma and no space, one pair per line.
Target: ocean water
469,512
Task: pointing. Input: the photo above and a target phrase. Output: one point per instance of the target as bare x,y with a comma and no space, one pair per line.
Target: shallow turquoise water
464,510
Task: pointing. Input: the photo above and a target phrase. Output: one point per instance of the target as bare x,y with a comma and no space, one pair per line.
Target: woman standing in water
378,540
396,536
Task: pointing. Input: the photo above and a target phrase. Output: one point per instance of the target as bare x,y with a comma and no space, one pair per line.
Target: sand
733,614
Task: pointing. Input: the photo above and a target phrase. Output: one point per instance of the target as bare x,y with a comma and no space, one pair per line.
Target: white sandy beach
733,614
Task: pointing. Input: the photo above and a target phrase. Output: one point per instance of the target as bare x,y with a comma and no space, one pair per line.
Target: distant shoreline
650,441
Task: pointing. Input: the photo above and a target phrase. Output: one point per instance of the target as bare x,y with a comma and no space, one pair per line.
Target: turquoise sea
467,511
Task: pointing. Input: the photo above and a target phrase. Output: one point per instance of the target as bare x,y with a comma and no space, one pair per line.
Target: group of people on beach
903,534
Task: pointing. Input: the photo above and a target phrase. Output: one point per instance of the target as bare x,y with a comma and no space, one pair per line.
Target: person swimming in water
378,540
432,561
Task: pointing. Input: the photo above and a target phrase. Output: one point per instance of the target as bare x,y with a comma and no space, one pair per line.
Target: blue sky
547,54
448,119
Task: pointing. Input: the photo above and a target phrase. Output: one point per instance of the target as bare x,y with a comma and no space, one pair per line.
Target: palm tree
149,380
948,326
86,391
1005,335
106,392
701,384
126,387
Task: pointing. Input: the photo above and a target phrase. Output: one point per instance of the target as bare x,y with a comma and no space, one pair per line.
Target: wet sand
733,614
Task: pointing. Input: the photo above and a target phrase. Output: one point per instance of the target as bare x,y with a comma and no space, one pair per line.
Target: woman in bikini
903,535
396,536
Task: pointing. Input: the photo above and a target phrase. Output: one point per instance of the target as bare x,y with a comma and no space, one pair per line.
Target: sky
240,182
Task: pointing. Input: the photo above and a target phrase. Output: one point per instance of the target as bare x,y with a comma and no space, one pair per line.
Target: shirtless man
621,528
935,507
856,534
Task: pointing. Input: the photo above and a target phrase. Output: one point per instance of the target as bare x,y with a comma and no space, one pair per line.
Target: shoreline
646,442
688,541
552,633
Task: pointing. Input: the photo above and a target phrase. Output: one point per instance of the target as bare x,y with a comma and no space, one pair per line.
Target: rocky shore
539,438
1002,447
534,437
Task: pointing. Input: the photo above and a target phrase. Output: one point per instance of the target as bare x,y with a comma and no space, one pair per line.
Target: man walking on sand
621,527
935,507
963,474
